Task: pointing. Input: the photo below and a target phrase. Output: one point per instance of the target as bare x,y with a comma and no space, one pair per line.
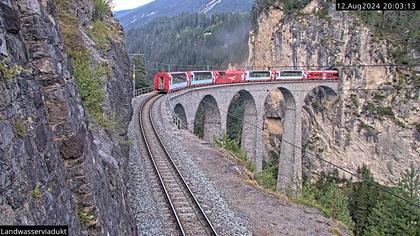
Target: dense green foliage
363,199
88,78
192,39
140,75
101,8
231,145
399,28
235,118
393,216
199,121
159,8
363,207
100,34
288,6
268,176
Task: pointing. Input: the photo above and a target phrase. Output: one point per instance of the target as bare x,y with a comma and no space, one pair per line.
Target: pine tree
333,198
393,216
362,200
141,80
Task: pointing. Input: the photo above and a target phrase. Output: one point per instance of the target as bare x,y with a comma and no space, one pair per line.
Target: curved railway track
186,214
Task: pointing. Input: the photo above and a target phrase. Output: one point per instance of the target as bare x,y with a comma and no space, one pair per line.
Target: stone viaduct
216,100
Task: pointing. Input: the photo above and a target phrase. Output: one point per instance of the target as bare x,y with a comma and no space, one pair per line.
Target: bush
36,193
327,196
20,129
8,70
100,35
102,8
85,217
231,145
267,178
88,80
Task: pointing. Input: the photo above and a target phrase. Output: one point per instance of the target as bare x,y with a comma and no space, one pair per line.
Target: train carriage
290,75
172,81
202,78
166,82
322,75
229,76
259,75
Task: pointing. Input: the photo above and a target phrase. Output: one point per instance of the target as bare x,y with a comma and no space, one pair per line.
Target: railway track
180,205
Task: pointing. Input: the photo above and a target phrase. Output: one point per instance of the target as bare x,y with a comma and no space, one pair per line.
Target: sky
128,4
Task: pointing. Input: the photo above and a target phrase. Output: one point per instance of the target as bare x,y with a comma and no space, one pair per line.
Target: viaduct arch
216,100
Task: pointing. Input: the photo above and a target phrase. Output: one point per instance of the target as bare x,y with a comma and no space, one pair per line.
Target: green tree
393,216
362,200
235,118
334,199
141,81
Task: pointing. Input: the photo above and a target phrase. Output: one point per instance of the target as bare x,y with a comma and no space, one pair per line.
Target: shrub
231,145
88,80
100,35
267,179
20,129
102,8
8,70
85,217
36,193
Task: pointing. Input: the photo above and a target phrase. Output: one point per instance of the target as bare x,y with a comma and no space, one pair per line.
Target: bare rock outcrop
371,120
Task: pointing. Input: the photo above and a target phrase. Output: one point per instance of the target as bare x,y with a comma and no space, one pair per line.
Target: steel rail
143,106
199,212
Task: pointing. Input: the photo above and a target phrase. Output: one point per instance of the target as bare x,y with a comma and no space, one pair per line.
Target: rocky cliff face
63,154
372,120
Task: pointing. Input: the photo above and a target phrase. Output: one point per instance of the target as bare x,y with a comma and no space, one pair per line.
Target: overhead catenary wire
320,158
285,66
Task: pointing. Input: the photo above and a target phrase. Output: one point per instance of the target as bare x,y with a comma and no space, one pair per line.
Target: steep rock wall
361,125
58,166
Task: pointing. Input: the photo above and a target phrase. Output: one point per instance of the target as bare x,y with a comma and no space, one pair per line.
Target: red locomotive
173,81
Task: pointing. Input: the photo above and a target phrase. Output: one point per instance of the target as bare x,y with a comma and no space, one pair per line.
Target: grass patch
8,70
329,199
231,145
100,35
379,111
85,217
369,129
88,78
102,8
267,179
355,100
20,129
36,193
323,14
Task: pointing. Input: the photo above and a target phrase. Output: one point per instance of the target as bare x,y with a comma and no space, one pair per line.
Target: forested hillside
158,8
193,40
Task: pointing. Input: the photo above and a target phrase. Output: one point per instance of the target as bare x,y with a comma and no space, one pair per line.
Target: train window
259,74
291,73
222,73
203,76
179,78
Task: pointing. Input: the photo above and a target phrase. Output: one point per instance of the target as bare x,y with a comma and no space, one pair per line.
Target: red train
172,81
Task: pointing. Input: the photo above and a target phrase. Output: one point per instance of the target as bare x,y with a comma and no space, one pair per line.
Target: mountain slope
144,14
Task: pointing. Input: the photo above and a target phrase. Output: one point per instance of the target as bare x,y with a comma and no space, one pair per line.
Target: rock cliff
372,120
65,95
